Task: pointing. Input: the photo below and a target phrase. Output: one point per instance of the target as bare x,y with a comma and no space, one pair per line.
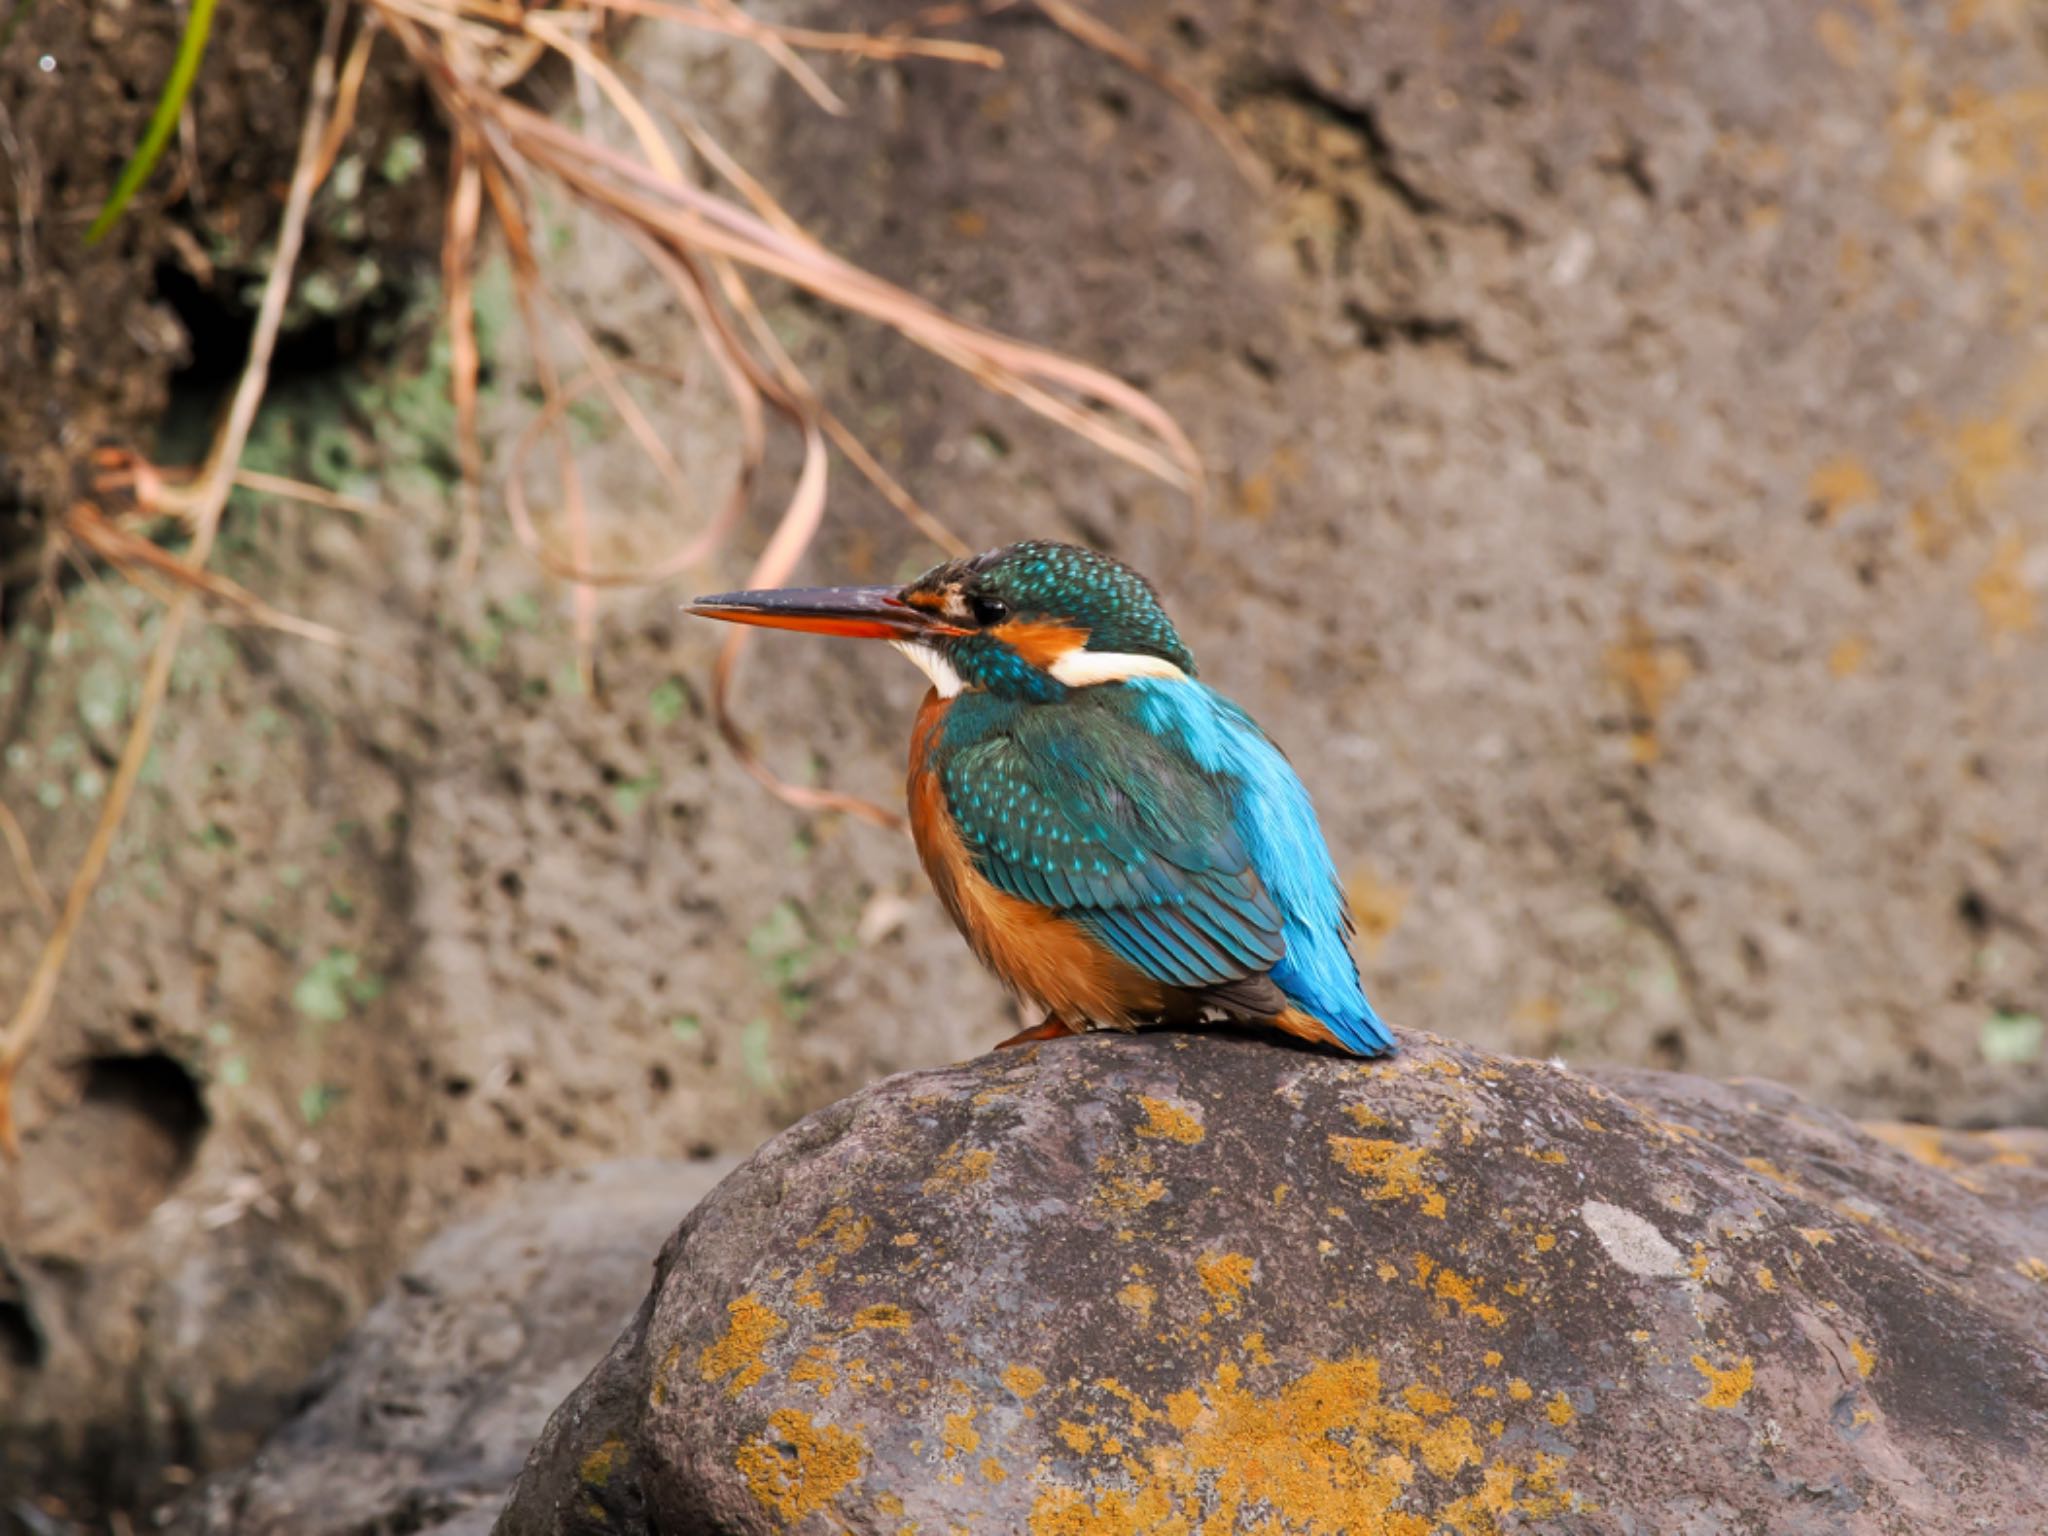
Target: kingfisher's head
1028,621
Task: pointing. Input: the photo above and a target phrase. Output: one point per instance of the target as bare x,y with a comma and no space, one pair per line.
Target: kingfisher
1117,841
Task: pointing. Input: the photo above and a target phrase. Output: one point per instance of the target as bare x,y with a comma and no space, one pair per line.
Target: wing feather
1140,848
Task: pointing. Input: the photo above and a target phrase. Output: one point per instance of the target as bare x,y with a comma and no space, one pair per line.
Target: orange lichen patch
817,1367
1922,1143
1427,1400
1701,1261
1866,1362
1676,1128
1328,1455
795,1468
805,1292
750,1324
2033,1268
1225,1276
1725,1388
1493,1357
1168,1121
595,1470
1365,1117
993,1470
1255,1347
1545,1241
842,1229
1139,1297
1078,1437
1840,482
1769,1170
1559,1410
1520,1390
1396,1166
2003,596
1447,1446
958,1170
1765,1280
881,1315
960,1436
1129,1192
1460,1290
1815,1236
1025,1380
1376,907
904,1240
1550,1155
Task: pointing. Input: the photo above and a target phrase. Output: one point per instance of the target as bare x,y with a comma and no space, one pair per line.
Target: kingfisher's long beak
861,613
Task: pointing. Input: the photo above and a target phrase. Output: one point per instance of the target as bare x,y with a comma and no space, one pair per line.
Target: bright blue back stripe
1277,822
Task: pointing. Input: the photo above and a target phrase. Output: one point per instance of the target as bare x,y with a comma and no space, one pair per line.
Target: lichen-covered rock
1176,1284
419,1421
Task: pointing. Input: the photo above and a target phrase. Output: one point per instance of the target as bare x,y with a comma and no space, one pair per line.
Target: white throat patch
1081,668
932,665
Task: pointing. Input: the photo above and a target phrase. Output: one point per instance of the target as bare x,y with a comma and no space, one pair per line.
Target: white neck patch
932,665
1081,668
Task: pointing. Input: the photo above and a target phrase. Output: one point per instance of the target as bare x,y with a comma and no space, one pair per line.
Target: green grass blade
169,103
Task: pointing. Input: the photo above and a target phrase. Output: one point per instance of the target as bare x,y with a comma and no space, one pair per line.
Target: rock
1177,1284
420,1420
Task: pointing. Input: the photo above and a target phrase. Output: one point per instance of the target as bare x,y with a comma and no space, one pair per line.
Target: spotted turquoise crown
1040,579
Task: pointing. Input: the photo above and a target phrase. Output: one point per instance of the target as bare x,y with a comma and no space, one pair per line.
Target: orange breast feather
1036,952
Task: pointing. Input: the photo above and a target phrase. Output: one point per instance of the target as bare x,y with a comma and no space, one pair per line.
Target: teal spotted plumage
1086,811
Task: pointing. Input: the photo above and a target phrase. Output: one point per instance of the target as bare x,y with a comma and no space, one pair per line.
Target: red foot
1051,1029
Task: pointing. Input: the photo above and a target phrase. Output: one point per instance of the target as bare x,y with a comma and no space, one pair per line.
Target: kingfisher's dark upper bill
860,613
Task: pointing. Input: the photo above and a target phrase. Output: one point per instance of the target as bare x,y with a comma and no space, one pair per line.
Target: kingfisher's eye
987,610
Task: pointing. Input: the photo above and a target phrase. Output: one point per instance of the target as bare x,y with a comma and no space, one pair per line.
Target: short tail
1367,1035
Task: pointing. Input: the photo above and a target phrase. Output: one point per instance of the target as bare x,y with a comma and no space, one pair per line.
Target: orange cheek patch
1039,642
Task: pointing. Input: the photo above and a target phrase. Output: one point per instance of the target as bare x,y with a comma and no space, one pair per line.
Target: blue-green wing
1088,813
